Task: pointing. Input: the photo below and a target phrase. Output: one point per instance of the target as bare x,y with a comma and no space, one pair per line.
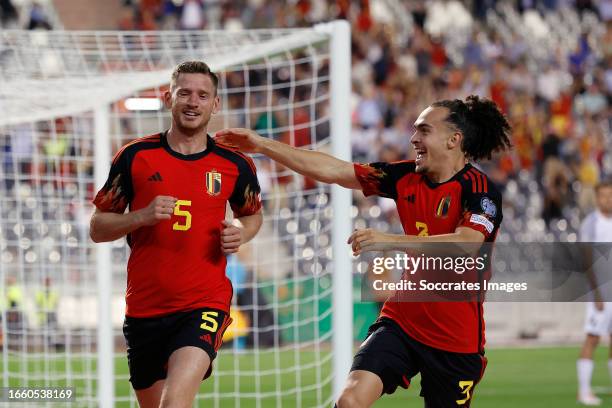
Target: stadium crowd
545,63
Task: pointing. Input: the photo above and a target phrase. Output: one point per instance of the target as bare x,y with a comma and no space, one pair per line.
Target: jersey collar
457,176
210,145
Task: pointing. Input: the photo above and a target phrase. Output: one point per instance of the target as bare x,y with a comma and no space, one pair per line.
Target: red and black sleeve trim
245,199
118,191
381,178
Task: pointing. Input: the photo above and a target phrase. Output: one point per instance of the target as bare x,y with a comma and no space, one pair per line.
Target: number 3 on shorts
466,387
210,324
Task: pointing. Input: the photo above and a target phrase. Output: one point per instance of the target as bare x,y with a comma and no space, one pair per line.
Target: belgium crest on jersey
213,182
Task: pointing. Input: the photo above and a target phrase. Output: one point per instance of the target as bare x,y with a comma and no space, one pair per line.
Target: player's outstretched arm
232,236
109,226
371,240
316,165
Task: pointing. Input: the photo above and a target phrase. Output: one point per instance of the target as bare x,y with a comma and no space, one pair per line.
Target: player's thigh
387,354
150,397
186,368
596,321
146,340
362,389
448,379
201,328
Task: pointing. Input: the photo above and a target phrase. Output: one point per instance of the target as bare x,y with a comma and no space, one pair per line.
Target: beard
420,169
190,127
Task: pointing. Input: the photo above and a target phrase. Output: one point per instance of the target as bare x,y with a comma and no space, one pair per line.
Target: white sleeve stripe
479,219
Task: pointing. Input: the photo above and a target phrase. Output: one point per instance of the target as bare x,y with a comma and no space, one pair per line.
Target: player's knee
592,340
349,399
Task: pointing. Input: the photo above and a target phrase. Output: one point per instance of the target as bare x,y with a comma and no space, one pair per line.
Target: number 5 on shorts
210,324
466,387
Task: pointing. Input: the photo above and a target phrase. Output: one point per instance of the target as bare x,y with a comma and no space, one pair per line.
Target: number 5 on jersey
185,224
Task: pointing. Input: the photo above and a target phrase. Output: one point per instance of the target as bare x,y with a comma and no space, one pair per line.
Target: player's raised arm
319,166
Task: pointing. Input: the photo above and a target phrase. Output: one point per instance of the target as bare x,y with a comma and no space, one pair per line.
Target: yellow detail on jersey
422,228
177,226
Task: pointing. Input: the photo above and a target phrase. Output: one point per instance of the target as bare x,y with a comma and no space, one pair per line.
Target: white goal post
64,111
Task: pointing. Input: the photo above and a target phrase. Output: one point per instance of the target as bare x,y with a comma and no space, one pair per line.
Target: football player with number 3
440,197
177,184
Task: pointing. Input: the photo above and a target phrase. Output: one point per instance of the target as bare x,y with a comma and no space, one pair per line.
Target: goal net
68,101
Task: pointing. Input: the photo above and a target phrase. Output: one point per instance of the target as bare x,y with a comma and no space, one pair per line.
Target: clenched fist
160,208
231,238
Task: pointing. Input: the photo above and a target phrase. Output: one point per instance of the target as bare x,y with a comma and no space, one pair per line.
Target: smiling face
604,199
192,98
435,141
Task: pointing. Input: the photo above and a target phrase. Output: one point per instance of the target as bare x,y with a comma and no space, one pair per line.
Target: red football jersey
468,199
178,264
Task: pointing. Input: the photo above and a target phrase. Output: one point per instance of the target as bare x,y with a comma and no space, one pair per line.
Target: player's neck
448,172
187,142
606,214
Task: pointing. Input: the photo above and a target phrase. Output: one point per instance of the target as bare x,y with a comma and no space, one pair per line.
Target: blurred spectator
368,112
398,136
252,306
579,58
47,301
38,18
493,47
8,14
605,10
472,53
519,78
15,316
556,189
551,82
591,102
192,15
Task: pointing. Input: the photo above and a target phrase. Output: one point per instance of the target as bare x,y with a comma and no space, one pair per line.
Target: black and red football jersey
178,264
468,199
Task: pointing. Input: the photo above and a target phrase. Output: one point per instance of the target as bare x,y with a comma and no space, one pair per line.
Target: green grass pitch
518,377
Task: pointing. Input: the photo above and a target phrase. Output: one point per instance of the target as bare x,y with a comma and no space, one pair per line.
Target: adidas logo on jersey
155,177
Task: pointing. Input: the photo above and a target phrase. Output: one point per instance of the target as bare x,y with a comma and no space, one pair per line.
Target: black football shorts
447,379
151,341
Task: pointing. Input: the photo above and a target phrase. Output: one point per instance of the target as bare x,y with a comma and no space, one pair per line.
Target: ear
216,104
454,140
168,99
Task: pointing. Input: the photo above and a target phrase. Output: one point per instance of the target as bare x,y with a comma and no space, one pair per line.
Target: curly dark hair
194,67
485,129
